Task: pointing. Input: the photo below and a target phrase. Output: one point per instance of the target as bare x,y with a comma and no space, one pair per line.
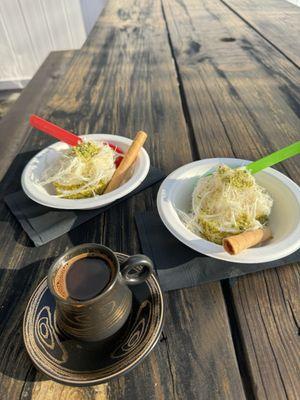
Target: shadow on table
16,288
11,183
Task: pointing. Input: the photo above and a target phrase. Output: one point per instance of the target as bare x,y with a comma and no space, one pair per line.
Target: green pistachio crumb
85,150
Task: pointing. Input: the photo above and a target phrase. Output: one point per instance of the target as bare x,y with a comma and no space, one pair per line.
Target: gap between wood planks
185,108
233,322
259,33
237,339
164,339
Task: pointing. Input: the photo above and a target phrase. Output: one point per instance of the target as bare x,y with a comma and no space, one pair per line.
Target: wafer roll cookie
235,244
127,162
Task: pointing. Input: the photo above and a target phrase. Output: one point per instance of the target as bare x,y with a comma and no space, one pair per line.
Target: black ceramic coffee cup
102,316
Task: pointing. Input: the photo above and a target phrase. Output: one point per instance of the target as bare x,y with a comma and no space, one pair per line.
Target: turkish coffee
84,276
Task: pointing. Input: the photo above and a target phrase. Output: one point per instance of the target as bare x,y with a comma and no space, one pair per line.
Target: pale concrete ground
7,99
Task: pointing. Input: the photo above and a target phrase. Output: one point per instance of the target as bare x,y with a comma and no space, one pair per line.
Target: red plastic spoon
63,135
54,130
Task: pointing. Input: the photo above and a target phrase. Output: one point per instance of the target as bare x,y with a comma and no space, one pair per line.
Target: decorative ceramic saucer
79,363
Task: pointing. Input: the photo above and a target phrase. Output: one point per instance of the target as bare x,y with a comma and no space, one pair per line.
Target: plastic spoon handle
274,158
54,130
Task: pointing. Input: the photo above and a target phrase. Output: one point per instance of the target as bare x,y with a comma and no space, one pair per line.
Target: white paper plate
45,195
176,193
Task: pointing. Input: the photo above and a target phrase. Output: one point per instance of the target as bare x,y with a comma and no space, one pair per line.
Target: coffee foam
59,282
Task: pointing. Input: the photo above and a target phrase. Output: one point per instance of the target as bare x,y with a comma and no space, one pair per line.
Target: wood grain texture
14,126
201,370
48,390
121,81
241,93
276,20
242,99
268,310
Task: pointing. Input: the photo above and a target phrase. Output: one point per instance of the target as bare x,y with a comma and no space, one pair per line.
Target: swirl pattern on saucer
137,332
47,338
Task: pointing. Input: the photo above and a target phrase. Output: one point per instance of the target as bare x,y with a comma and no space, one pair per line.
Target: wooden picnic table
205,78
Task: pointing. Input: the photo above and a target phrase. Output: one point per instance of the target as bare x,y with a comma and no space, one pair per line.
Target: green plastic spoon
274,158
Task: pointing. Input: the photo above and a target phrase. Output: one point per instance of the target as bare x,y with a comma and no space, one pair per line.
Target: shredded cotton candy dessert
227,203
82,171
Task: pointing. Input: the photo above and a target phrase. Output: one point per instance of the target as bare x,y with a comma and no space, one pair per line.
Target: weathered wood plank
241,92
122,80
48,390
275,20
200,370
243,101
268,310
14,126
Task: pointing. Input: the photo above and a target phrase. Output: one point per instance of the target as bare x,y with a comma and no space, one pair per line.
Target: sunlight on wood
48,389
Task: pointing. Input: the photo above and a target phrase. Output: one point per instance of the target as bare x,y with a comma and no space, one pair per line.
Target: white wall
30,29
296,2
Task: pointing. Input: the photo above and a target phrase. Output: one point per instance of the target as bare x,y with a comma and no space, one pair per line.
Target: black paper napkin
178,266
43,224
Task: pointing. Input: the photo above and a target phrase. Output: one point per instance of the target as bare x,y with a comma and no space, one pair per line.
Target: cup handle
134,277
